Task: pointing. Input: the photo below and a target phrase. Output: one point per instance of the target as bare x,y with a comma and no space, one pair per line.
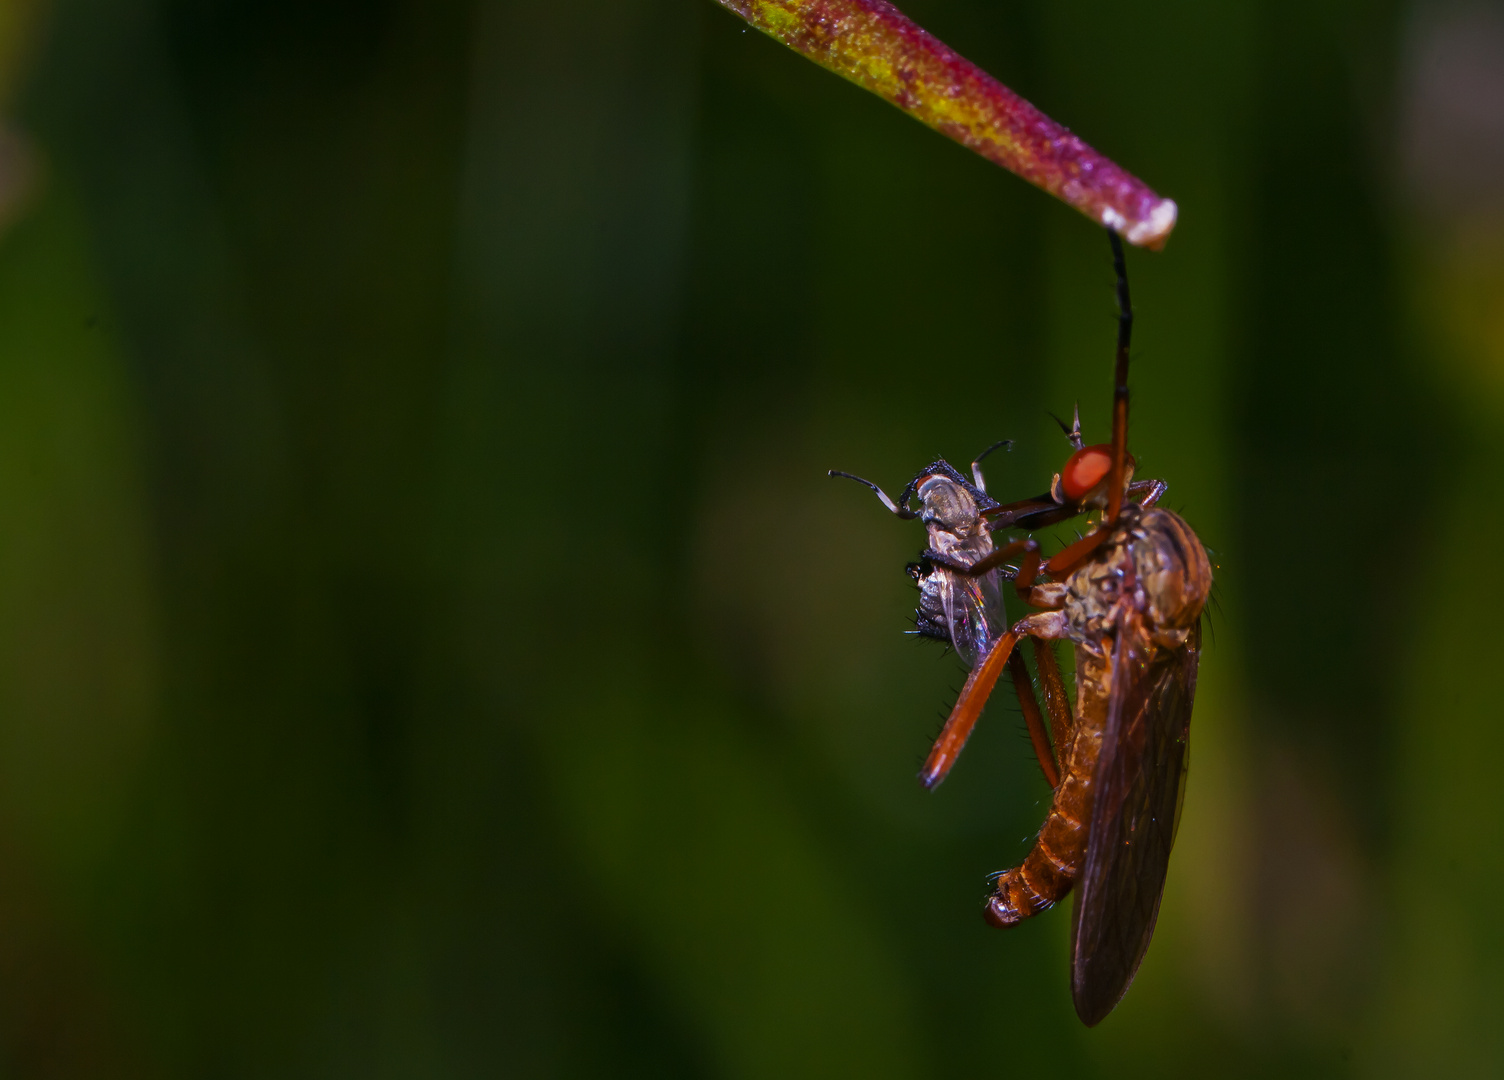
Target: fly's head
1086,476
953,511
929,614
1082,484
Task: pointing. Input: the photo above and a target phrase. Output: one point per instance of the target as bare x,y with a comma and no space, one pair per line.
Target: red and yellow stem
876,46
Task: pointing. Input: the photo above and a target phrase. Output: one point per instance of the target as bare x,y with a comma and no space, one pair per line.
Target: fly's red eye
1085,470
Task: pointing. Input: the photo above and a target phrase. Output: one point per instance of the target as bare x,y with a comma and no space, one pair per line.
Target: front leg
1040,739
1147,492
1062,723
1028,567
1049,625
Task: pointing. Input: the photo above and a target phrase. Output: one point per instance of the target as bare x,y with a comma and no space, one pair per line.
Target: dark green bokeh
430,645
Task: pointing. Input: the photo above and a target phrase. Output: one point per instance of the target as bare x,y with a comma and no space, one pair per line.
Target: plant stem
876,46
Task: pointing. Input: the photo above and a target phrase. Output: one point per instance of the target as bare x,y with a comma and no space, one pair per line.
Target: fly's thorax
1092,593
953,519
1152,561
1172,570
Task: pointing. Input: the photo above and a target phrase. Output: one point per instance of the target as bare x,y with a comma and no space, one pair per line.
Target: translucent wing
1135,803
974,615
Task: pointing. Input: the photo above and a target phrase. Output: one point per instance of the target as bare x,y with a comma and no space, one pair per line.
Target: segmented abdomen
1049,870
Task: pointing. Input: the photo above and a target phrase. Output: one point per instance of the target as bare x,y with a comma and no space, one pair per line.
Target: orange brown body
1150,578
1128,596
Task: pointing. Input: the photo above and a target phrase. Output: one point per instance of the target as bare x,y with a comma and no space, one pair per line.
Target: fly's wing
1135,804
974,615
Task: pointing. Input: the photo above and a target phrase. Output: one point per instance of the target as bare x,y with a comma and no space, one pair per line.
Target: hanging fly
1128,597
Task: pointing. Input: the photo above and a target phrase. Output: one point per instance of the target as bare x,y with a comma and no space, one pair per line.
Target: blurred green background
430,645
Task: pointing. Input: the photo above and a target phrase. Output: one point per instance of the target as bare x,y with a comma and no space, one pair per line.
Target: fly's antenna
976,466
1072,430
901,511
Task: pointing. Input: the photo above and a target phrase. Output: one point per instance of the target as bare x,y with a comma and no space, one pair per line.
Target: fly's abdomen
1049,870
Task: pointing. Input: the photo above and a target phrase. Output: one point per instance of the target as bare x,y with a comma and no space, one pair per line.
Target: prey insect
964,610
1128,597
959,604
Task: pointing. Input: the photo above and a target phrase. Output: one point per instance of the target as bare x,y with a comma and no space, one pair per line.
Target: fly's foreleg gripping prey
1028,567
1049,625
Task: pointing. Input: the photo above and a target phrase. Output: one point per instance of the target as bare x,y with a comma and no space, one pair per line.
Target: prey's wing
974,615
1136,797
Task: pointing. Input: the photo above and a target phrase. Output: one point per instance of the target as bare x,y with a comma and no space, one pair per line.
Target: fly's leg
1028,567
976,466
1062,724
980,682
1069,558
1033,513
1149,492
1024,688
1045,510
900,508
968,708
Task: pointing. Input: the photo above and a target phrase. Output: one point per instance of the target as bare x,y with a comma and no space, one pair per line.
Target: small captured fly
963,610
1128,597
959,604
